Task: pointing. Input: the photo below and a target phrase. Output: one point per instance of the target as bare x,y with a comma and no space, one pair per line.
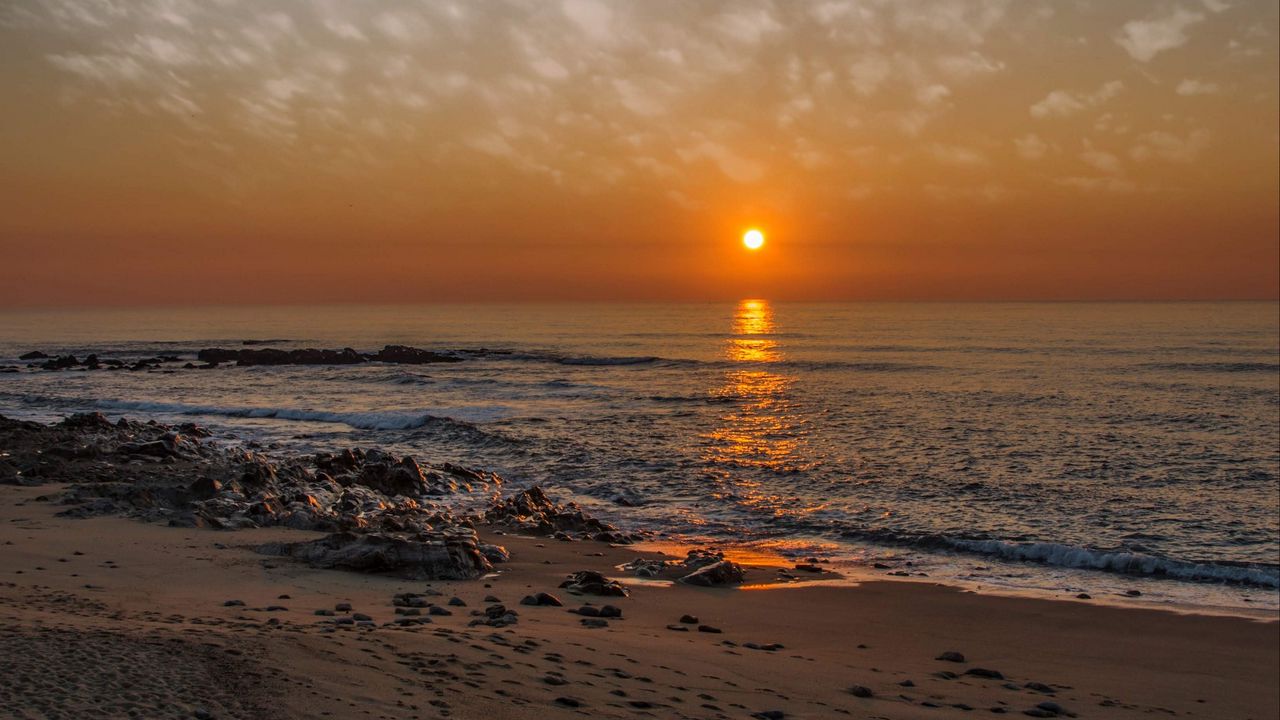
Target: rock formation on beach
384,514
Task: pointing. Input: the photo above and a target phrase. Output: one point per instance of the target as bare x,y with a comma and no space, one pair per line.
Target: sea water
1042,447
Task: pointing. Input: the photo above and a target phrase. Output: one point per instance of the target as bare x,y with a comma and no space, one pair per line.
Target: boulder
723,572
424,556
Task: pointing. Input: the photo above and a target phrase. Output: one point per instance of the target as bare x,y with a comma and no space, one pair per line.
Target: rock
588,611
531,511
457,602
33,355
678,628
1084,596
689,619
1053,707
439,611
590,582
420,556
1133,593
594,622
610,611
233,603
907,683
541,598
325,613
554,680
861,691
1038,687
201,714
985,673
1038,713
709,629
342,607
951,656
271,356
567,702
404,355
723,572
769,715
361,616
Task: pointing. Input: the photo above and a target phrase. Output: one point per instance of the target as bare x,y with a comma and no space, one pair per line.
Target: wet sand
111,617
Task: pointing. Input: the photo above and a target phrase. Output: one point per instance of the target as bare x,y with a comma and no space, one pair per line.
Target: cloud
1144,39
1031,147
1196,87
1167,146
1061,103
733,165
957,155
1101,160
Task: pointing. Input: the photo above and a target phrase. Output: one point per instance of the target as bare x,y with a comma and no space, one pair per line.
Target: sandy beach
112,617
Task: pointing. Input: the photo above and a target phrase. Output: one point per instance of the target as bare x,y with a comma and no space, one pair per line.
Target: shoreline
181,602
156,581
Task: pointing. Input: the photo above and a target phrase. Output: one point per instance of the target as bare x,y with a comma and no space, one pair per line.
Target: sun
753,239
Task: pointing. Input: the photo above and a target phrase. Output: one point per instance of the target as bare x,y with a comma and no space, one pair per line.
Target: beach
108,616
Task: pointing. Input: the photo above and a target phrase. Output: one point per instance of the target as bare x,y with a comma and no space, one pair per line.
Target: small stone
985,673
554,680
458,602
1038,687
689,619
342,607
594,623
709,629
951,656
861,691
491,598
437,610
1133,593
1084,596
770,715
1053,707
201,714
678,628
907,683
325,613
568,702
233,603
610,611
361,617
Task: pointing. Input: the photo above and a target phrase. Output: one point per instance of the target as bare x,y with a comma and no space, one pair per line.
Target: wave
615,360
1070,556
1226,367
382,420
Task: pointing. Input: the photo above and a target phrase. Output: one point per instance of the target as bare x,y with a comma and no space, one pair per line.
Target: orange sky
193,151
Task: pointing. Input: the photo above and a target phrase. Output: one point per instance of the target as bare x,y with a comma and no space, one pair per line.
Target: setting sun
753,239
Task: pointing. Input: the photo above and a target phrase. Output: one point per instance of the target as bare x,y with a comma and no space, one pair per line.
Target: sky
176,152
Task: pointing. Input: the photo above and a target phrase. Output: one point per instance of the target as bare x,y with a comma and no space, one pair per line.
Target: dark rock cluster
383,513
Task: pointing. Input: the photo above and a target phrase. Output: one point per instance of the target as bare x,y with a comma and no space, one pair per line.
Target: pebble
1038,687
325,613
907,683
951,656
568,702
1133,593
233,603
678,628
458,602
985,673
594,622
437,610
361,617
769,715
709,629
342,607
1084,596
861,691
689,619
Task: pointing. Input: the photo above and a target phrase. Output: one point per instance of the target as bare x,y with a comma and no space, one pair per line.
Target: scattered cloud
1144,39
1062,103
1197,87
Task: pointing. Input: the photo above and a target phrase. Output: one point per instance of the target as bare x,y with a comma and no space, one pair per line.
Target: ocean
1043,448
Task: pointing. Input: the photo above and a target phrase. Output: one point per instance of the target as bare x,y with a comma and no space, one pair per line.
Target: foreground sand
111,617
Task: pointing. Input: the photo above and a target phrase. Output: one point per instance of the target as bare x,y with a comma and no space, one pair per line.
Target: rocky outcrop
272,356
404,355
531,511
590,582
420,556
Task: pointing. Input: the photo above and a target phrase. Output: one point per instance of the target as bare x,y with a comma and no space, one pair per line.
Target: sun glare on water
753,239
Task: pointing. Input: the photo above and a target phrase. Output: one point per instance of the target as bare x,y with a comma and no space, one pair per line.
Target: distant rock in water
398,354
271,356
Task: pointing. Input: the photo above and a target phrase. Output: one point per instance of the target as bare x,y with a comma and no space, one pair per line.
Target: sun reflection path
764,430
